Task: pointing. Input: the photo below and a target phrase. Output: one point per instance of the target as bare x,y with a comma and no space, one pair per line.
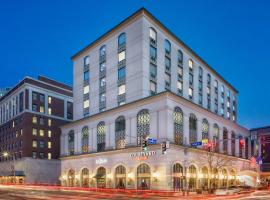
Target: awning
17,173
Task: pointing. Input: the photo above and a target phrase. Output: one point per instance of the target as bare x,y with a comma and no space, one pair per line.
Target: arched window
216,137
71,178
120,170
122,39
193,177
101,177
85,177
192,128
204,179
120,126
143,169
224,178
178,125
167,46
143,125
85,140
177,168
120,177
86,60
101,136
153,34
232,181
233,143
71,142
205,129
102,51
180,56
225,141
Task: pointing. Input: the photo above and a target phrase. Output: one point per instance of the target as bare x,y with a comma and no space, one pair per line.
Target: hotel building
30,116
140,81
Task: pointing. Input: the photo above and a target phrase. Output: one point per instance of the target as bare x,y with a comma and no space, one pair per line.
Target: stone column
90,141
154,125
186,129
229,143
162,125
220,140
112,136
107,136
170,125
133,129
237,147
79,141
128,132
62,144
94,133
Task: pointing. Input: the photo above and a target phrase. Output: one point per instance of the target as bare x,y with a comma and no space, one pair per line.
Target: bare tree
214,162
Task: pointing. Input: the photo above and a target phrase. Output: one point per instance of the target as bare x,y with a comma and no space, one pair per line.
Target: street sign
152,141
259,160
195,144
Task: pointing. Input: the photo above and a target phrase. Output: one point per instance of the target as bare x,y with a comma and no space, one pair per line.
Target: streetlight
6,154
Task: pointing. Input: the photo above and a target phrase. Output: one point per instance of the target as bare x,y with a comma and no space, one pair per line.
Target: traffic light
163,147
144,145
242,143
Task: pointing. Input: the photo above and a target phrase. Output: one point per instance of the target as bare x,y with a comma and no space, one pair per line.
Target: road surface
43,193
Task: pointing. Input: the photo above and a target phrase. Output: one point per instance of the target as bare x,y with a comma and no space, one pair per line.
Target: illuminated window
122,56
190,64
101,136
13,124
41,109
86,104
143,125
85,139
192,128
49,156
49,133
34,131
208,90
179,85
49,122
205,129
71,142
41,132
49,145
153,87
86,89
153,34
102,51
49,100
120,126
49,111
34,120
102,66
102,82
122,39
190,92
102,97
86,60
122,89
216,137
228,104
34,144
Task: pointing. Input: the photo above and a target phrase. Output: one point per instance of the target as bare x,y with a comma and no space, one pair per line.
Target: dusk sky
232,36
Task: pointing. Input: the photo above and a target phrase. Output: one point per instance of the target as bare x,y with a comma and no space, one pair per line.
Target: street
48,193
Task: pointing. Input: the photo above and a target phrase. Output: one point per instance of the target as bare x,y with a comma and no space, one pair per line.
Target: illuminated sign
142,155
101,161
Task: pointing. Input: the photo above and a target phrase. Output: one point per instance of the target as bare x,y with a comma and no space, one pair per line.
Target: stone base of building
180,168
30,171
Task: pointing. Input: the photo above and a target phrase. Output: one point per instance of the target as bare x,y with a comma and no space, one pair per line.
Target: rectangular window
49,145
228,104
153,87
41,109
49,156
49,133
41,155
21,102
49,122
34,144
122,89
49,111
41,132
179,85
86,103
200,99
190,92
34,96
228,115
121,73
191,79
34,154
102,97
34,131
190,64
102,82
152,34
153,71
41,144
208,90
41,121
200,86
49,100
86,89
42,97
121,56
86,75
34,107
34,120
180,71
153,53
167,78
102,66
167,63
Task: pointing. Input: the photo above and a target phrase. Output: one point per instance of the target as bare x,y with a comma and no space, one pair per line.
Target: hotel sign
142,155
101,161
